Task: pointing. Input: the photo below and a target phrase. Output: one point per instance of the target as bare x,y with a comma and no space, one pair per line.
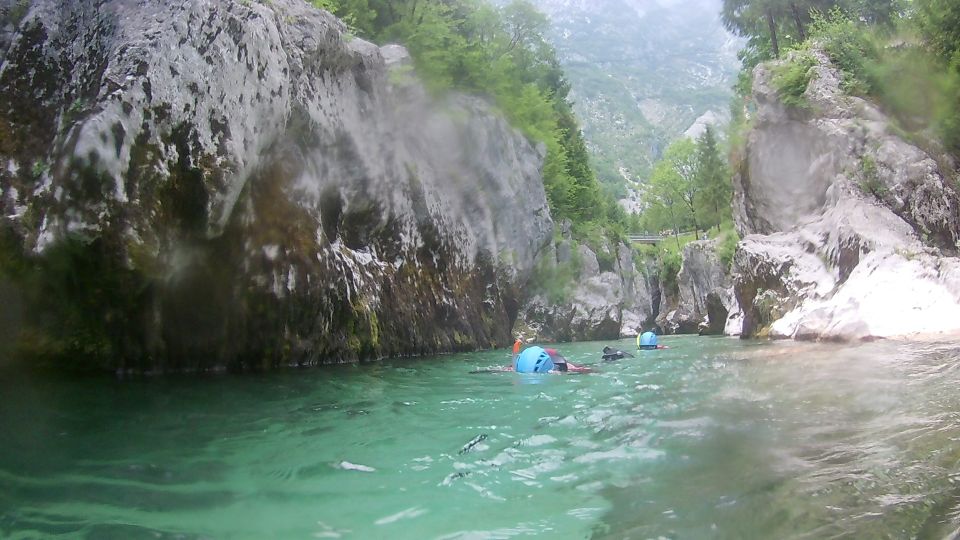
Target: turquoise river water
714,438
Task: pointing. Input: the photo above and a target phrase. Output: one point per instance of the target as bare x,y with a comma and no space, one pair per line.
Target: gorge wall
592,298
849,231
190,185
702,299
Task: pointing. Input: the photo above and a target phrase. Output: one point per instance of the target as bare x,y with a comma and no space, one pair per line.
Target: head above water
647,339
533,360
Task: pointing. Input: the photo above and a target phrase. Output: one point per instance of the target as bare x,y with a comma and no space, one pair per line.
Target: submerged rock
243,184
849,231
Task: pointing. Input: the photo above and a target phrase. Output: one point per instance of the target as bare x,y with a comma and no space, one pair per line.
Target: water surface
714,438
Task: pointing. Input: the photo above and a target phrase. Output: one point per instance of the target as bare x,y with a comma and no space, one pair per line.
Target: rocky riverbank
849,231
703,297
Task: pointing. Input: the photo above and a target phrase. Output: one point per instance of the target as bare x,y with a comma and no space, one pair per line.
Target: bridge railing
645,238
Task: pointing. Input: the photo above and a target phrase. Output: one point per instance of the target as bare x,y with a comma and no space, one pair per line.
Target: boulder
591,304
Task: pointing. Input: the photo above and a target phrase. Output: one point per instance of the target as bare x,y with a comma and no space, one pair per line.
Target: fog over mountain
643,73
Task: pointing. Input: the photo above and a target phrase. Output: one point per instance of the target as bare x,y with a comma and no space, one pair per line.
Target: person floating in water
610,354
647,341
540,360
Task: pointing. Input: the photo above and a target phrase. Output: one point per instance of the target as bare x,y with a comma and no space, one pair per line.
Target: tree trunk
716,207
676,230
796,18
392,13
772,25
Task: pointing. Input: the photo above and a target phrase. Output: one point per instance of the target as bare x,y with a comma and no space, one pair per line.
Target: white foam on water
409,513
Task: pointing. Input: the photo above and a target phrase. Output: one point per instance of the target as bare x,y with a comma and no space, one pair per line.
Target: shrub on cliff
791,78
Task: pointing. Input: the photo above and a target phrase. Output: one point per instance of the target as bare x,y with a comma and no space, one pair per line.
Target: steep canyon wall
849,231
206,184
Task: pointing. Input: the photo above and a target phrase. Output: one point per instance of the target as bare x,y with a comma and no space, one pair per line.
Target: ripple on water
710,439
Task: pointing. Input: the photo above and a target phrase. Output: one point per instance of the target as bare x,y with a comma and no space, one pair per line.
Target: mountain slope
643,71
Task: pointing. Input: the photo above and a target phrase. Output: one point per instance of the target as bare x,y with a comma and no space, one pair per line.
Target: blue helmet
533,360
647,339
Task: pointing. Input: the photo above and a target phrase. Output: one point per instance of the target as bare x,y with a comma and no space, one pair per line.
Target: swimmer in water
540,360
647,341
610,354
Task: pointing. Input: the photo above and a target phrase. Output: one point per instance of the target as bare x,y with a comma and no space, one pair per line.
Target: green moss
74,111
670,263
374,329
40,167
85,307
768,308
555,281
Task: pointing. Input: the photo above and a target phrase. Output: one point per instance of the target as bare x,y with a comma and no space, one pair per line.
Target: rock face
704,295
246,185
849,231
606,301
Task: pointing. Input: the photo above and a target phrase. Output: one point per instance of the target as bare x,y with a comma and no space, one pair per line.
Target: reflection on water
714,438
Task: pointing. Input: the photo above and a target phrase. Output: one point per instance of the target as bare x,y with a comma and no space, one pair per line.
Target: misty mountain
643,72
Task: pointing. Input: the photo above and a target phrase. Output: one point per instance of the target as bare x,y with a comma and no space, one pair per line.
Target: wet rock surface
253,187
849,232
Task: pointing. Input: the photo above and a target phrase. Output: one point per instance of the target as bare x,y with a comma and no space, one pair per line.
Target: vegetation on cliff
903,56
690,187
502,53
690,191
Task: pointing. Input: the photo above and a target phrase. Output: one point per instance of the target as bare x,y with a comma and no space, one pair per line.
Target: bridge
645,238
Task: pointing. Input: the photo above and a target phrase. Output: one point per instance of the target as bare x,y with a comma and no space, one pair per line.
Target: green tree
771,24
751,18
939,20
674,190
713,178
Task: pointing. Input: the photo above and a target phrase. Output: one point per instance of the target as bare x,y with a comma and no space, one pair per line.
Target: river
713,438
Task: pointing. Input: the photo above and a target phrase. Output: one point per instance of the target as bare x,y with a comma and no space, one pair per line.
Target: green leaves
689,187
713,178
791,78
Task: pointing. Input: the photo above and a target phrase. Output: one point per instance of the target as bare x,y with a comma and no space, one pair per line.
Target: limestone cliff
220,183
590,300
703,297
850,232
